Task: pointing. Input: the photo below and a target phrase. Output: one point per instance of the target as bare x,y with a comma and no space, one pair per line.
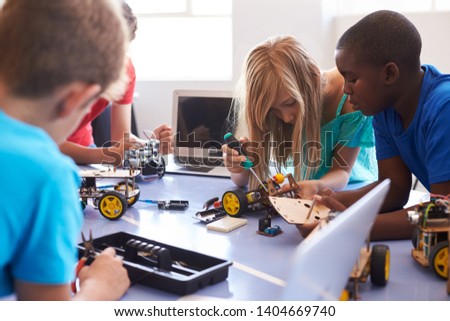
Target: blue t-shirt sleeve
437,133
385,148
48,254
356,130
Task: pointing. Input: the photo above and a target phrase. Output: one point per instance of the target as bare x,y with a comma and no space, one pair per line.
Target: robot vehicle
431,235
112,201
373,262
146,158
270,197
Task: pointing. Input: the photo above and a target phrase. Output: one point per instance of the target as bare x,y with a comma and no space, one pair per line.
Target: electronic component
227,224
173,205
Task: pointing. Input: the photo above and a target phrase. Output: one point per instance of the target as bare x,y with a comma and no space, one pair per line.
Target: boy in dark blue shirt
379,58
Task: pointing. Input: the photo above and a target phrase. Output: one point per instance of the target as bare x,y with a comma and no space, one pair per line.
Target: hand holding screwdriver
233,143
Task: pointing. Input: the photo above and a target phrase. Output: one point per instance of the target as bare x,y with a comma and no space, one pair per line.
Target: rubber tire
380,264
438,253
154,168
114,199
415,237
235,202
161,168
132,200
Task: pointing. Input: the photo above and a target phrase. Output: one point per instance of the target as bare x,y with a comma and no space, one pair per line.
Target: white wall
253,22
311,21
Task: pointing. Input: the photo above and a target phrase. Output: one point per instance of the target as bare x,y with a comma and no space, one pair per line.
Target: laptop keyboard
197,163
197,169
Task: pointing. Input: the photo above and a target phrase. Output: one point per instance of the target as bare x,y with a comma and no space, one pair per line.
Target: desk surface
260,264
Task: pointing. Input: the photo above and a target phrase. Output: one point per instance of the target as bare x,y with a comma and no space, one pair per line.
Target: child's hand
305,229
308,189
134,142
105,278
231,158
115,153
165,135
329,201
326,199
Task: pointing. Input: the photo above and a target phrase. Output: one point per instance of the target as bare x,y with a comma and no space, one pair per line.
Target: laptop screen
201,119
321,265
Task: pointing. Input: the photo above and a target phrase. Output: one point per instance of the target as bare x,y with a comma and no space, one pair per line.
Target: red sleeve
99,106
83,134
127,98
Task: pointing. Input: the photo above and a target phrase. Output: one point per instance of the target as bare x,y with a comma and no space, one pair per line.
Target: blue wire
149,201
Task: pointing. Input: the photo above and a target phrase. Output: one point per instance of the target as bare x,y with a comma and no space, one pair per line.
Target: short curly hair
54,43
130,19
381,37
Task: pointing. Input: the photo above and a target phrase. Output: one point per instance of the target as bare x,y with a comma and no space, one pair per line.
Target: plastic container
188,270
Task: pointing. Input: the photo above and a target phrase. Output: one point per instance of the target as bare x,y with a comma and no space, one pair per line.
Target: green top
350,130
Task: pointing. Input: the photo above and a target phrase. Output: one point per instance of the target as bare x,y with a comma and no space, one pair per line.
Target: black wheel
380,264
415,238
155,168
121,186
83,204
96,201
161,168
112,205
264,195
234,202
438,259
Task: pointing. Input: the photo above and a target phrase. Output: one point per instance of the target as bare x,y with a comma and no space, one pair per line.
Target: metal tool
87,258
235,144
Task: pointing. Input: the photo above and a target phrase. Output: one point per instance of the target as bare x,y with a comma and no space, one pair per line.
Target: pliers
87,258
210,202
209,215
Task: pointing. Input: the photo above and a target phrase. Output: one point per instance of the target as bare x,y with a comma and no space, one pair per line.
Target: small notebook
226,224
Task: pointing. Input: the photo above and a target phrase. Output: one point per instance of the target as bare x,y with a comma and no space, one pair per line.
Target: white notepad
226,224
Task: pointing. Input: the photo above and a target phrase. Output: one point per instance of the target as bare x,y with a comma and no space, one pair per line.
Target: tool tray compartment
163,266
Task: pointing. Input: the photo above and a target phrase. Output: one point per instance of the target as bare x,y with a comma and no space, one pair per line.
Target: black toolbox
163,266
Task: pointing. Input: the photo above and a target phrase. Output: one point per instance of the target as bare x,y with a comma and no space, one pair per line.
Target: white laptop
200,120
322,263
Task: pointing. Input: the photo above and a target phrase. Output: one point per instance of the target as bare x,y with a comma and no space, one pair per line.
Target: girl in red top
80,145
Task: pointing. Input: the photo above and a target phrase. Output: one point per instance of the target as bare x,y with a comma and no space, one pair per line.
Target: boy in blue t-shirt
56,58
379,58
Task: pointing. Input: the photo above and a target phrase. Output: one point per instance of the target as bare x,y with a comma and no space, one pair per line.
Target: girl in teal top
351,130
293,116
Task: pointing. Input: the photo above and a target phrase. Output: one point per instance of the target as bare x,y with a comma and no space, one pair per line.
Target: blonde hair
54,43
280,63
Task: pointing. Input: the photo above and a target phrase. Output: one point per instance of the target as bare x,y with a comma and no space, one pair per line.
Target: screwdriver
233,143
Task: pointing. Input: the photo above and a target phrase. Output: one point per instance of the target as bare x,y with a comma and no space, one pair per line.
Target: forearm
120,121
392,226
87,155
347,198
240,179
26,291
92,290
336,180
